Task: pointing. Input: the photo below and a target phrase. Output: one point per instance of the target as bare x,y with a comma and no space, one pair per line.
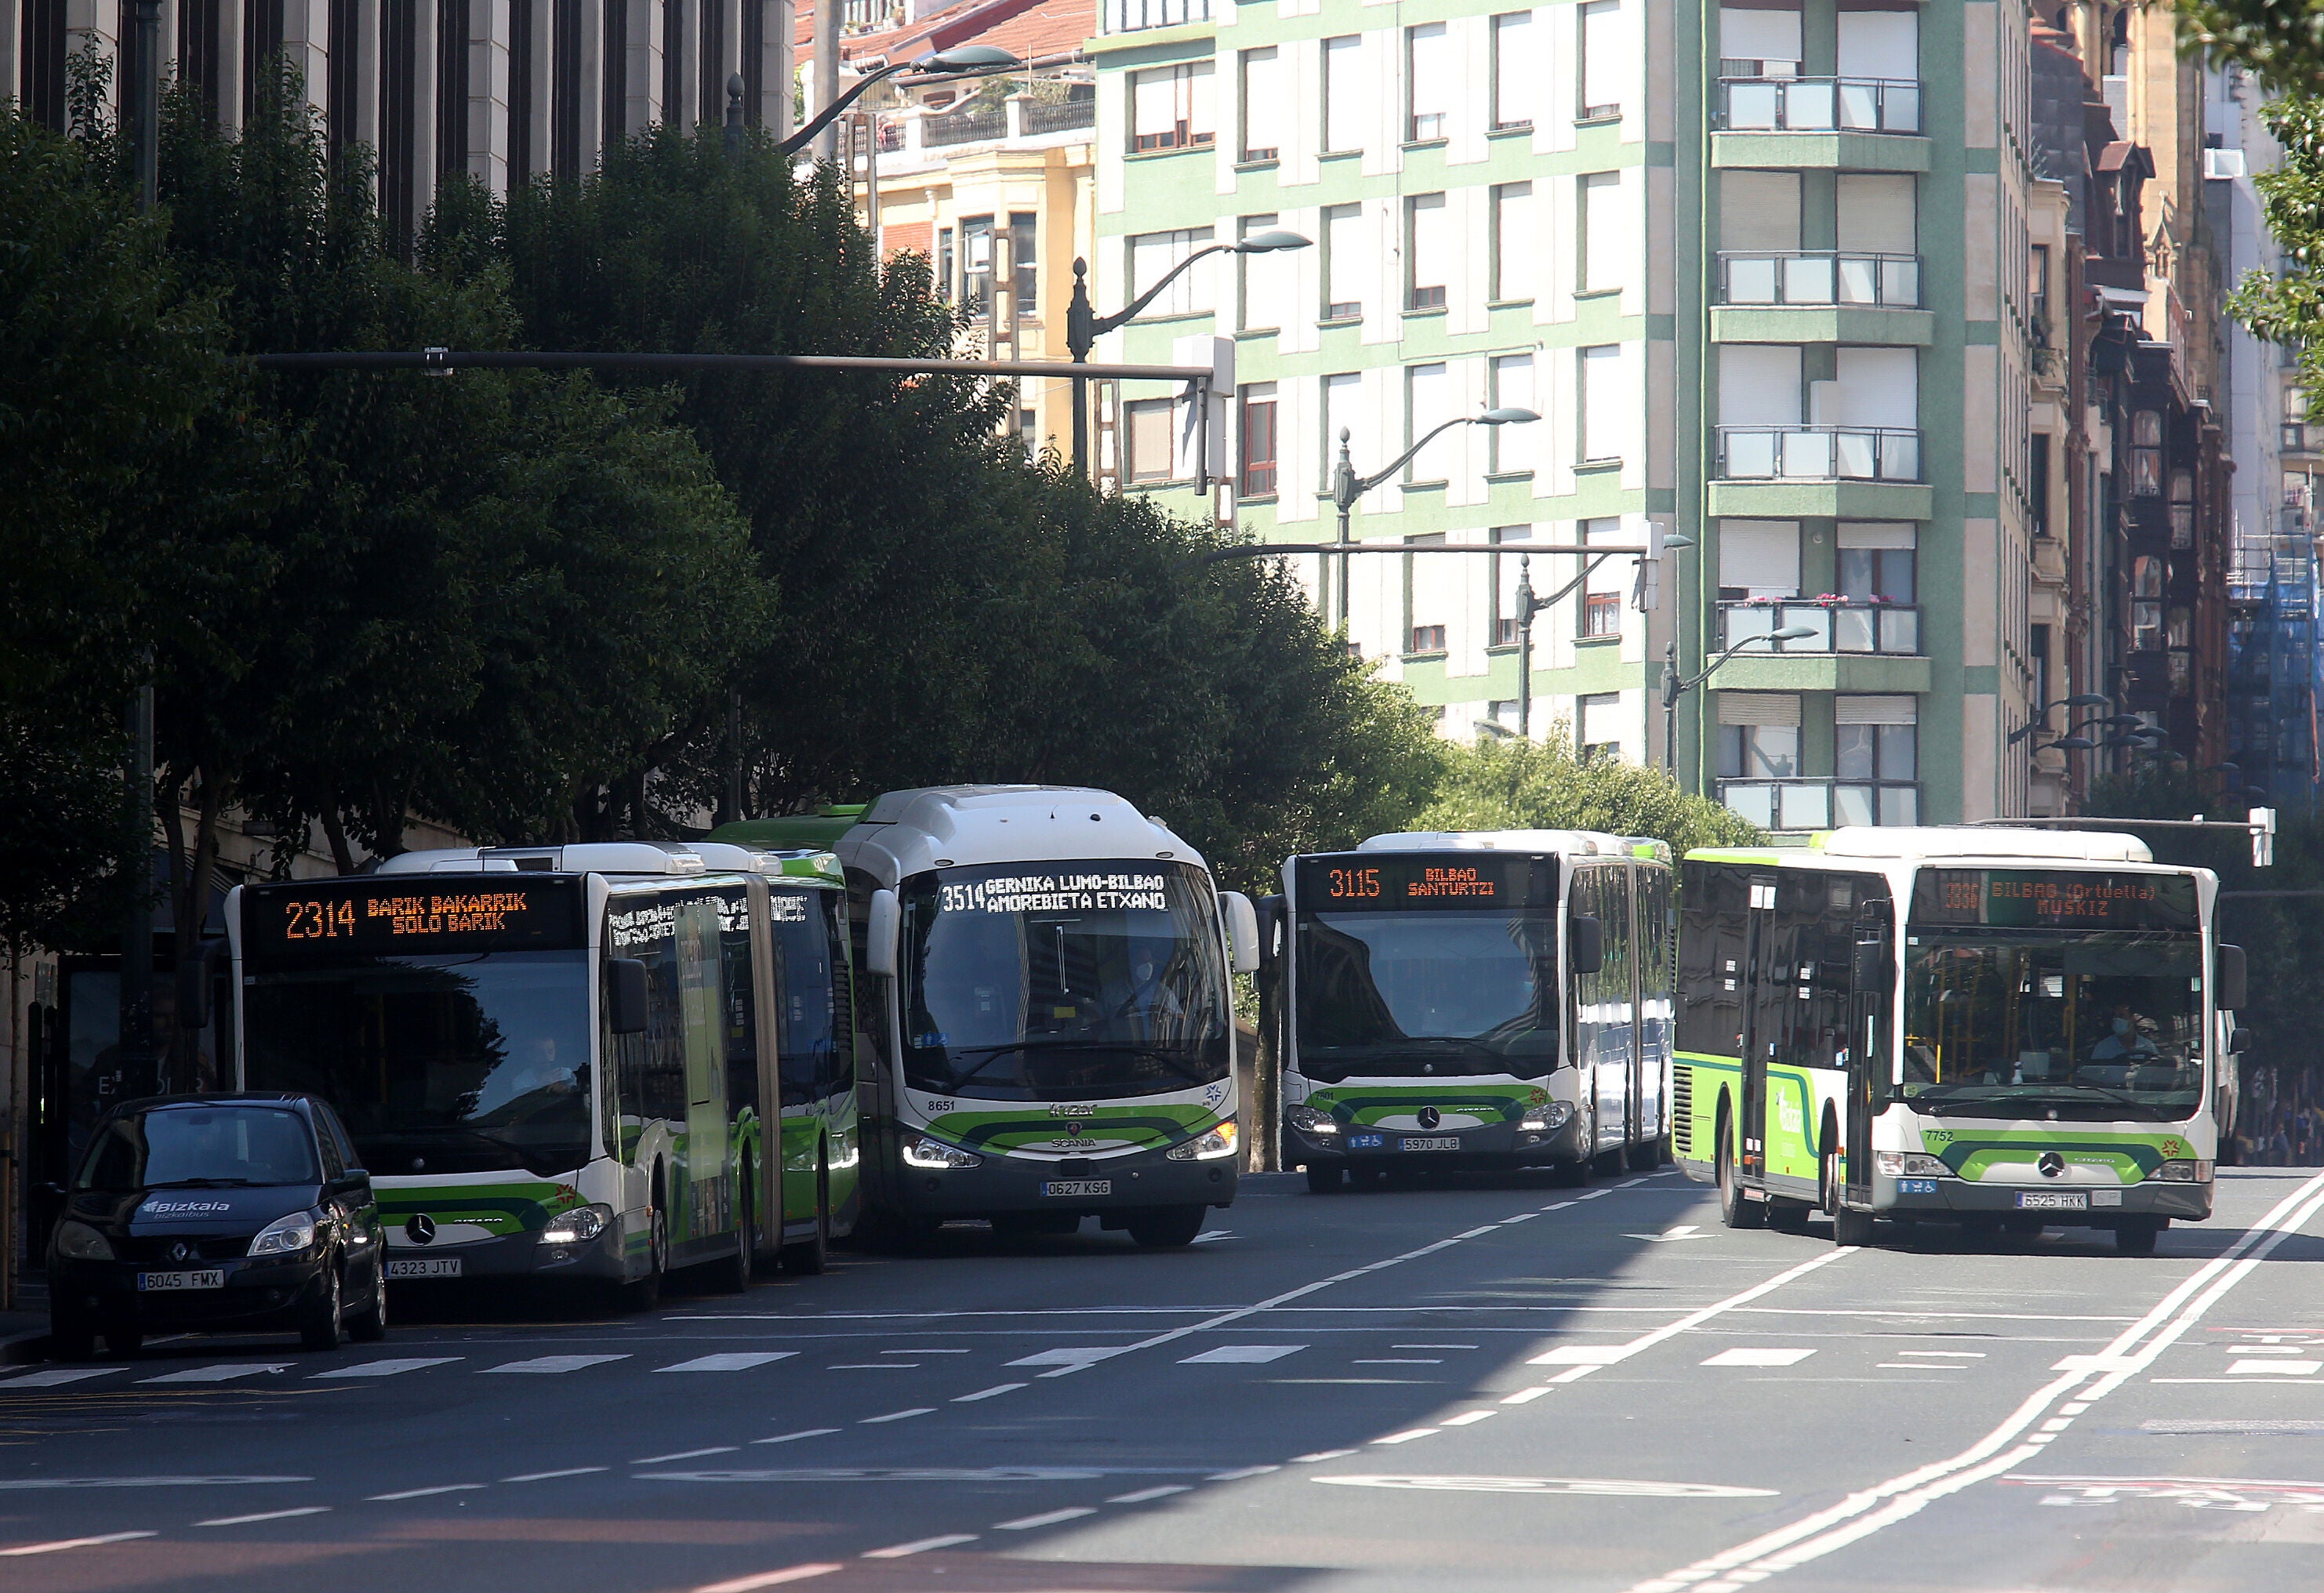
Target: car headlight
1308,1120
285,1235
1908,1163
1206,1147
577,1226
81,1242
936,1157
2184,1172
1547,1117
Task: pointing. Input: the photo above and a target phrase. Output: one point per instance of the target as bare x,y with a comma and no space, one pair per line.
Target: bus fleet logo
1430,1117
2051,1163
420,1229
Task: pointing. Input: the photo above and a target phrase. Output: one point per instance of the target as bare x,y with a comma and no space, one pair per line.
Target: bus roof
1906,843
782,831
1562,842
906,833
633,858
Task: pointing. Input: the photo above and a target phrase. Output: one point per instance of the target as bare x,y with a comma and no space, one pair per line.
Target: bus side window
841,1077
1711,958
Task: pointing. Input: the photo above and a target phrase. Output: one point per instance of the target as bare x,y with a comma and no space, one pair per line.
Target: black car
218,1213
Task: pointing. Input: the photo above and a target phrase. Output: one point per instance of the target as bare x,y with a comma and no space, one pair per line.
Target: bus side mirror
2239,1041
1243,931
1585,939
1870,973
1270,910
626,996
2231,984
882,921
194,975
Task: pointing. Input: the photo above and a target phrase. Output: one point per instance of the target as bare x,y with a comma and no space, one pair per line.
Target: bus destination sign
2022,899
409,914
1376,881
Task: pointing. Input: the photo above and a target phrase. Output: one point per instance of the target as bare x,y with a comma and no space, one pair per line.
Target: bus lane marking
389,1368
920,1546
768,1579
1871,1510
57,1376
63,1544
550,1366
734,1361
225,1372
962,1399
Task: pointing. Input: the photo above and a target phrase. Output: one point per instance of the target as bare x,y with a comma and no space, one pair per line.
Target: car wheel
809,1257
371,1327
1173,1228
326,1329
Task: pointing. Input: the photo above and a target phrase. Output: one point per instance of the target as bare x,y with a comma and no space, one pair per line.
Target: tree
1500,785
2288,307
2281,41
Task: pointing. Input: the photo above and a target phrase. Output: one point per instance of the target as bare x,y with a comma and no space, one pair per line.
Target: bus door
767,992
1635,1128
1871,978
1766,964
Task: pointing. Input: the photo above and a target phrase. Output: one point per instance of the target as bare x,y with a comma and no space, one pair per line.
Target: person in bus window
2130,1040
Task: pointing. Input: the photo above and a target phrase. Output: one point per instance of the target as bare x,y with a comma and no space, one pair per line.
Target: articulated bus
595,1062
1050,1014
2006,1029
1483,1000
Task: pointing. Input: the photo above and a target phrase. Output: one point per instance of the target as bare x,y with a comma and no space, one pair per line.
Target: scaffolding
2275,679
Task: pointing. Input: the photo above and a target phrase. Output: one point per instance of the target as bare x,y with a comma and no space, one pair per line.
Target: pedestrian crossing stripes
389,1368
225,1372
734,1362
551,1365
1242,1355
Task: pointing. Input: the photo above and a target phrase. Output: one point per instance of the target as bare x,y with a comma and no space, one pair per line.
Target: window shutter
1262,105
1513,73
1431,89
1432,265
1343,95
1154,104
1761,557
1864,534
1758,707
1875,710
1603,69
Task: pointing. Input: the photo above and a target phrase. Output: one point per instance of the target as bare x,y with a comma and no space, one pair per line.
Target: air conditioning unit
2222,165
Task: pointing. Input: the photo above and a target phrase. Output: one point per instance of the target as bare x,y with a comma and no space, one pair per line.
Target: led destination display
1373,881
409,914
2023,899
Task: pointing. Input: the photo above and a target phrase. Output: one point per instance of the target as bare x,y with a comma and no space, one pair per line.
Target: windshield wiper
208,1183
1135,1047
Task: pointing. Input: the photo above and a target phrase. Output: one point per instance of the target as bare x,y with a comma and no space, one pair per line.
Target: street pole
1670,709
1526,607
133,1048
1345,491
826,77
734,86
1081,336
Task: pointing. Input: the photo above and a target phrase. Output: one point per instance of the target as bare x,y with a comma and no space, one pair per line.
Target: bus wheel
733,1273
1849,1230
2136,1236
645,1293
811,1255
1172,1227
1572,1175
1644,1156
1734,1209
1326,1178
1788,1216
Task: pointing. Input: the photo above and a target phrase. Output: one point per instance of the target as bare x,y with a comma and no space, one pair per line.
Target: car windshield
200,1146
1449,993
2046,1023
436,1063
1064,981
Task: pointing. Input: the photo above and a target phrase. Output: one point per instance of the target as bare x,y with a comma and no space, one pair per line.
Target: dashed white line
998,1388
1741,1356
224,1373
803,1432
1239,1472
1478,1233
63,1543
552,1476
722,1449
1025,1524
422,1493
894,1416
1525,1396
738,1361
1242,1355
1145,1494
1574,1374
920,1546
57,1376
1307,1459
267,1516
1408,1360
768,1579
1407,1436
1468,1418
550,1365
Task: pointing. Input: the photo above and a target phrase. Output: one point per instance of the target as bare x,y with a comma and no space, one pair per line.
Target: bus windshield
1063,981
436,1063
2033,1023
1447,994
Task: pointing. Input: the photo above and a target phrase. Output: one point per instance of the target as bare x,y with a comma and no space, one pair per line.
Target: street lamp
1084,326
1528,605
1347,487
1676,685
970,61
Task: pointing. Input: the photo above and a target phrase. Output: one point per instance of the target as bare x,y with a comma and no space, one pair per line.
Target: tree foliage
1500,785
2280,41
2287,307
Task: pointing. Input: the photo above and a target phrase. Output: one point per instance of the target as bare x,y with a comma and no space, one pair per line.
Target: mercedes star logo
1430,1117
420,1229
2051,1164
181,1251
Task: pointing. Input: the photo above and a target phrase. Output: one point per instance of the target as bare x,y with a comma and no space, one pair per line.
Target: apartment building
1488,194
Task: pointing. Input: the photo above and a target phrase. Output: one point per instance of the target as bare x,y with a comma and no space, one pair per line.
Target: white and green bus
1483,1000
1049,1010
2006,1029
598,1061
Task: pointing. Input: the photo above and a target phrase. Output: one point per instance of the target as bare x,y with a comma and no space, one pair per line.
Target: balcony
1821,804
1865,627
1818,453
1819,295
1840,123
981,121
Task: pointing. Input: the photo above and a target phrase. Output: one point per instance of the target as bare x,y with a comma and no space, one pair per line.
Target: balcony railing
1819,277
979,120
1863,627
1819,105
1060,116
1131,17
1821,804
1818,453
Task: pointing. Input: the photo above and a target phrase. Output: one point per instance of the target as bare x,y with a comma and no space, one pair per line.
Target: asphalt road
1492,1385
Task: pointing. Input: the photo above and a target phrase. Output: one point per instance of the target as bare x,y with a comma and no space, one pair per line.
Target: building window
976,264
1170,107
1146,439
1428,82
1259,440
1423,591
1605,241
1601,588
1877,757
1340,393
1605,417
1427,253
1023,260
1343,95
1427,639
1029,432
1343,263
945,263
2146,603
1759,751
1262,105
2037,651
1265,279
2182,509
1598,730
1513,70
1154,255
2037,483
1877,574
2037,305
2146,454
1513,448
1513,255
1427,405
1604,37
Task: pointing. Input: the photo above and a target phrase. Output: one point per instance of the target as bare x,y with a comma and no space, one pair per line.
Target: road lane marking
721,1449
1074,1358
2275,1368
1239,1472
15,1483
1145,1495
925,1352
1619,1487
63,1543
1305,1460
998,1388
874,1366
895,1417
1871,1510
57,1376
552,1476
1242,1355
388,1368
225,1372
1575,1374
921,1546
1407,1361
1607,1354
1025,1524
768,1579
267,1516
1468,1418
1432,1347
1740,1357
738,1361
422,1493
1407,1435
803,1432
1525,1396
550,1366
1943,1354
1913,1365
1478,1233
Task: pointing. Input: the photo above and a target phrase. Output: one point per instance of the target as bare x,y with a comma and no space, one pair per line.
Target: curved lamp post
970,61
1084,326
1527,605
1347,487
1676,685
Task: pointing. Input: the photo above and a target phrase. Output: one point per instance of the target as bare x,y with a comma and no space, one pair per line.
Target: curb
24,1350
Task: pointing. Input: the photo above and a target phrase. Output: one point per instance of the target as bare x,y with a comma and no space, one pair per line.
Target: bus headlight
2184,1173
1908,1163
1207,1147
1308,1120
1547,1118
576,1227
78,1242
285,1235
936,1156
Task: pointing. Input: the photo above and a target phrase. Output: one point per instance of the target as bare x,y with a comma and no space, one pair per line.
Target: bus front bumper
521,1255
1094,1188
2099,1206
1489,1146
